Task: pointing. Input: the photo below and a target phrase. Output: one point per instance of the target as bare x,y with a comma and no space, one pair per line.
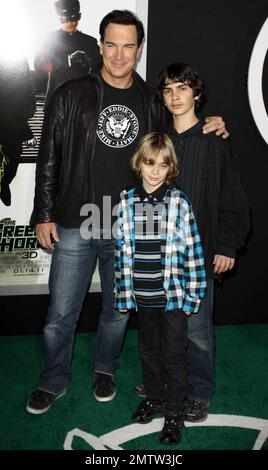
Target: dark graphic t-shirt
120,126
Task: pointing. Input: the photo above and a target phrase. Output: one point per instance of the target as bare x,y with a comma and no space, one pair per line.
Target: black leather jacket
64,180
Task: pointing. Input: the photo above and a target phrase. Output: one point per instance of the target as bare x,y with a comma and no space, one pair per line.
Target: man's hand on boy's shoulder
215,123
222,263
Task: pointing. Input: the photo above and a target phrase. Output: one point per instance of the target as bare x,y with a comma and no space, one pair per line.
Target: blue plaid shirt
182,262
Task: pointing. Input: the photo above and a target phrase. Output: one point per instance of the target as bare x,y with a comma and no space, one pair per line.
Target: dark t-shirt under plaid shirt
148,279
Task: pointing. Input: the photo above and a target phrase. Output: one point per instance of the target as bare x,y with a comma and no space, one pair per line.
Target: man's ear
139,51
101,48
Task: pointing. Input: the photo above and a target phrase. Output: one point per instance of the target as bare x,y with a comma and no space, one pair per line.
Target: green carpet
78,421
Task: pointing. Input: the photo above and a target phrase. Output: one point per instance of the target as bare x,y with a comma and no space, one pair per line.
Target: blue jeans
201,374
73,263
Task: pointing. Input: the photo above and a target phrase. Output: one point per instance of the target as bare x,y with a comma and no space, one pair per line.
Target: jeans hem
97,371
202,400
103,369
49,391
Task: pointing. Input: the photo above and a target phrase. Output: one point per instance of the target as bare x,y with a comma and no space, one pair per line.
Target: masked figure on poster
67,52
17,104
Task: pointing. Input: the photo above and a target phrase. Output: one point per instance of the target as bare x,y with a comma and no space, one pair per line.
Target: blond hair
150,147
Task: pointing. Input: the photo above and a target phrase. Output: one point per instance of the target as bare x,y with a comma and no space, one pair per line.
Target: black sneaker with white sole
104,387
41,401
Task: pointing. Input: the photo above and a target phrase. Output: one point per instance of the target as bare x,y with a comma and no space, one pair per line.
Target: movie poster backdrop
24,265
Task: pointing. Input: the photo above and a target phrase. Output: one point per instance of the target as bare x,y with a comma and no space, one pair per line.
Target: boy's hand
44,233
215,123
223,263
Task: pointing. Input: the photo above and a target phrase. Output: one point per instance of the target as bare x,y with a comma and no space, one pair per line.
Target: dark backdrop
217,37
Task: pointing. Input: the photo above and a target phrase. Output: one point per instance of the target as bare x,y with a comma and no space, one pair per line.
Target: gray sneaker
104,387
41,401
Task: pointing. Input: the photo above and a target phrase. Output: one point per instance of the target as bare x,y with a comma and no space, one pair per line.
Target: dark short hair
125,17
184,73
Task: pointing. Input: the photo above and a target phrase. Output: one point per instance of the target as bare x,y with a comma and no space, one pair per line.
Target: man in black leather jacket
91,128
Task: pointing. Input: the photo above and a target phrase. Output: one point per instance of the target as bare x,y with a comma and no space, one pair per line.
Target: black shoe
5,194
146,410
104,387
41,401
172,430
196,411
139,390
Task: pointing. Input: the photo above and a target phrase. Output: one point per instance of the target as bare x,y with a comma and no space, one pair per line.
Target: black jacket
64,180
17,103
65,56
60,46
210,178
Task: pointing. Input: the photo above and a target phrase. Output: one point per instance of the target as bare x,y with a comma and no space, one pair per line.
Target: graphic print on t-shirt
118,126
